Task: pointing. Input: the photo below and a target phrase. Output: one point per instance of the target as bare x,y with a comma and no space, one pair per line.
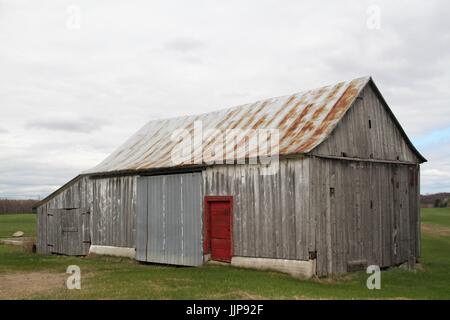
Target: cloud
436,180
184,45
435,174
83,125
3,130
80,93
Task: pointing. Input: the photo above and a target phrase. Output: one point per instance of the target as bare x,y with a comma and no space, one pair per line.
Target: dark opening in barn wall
169,219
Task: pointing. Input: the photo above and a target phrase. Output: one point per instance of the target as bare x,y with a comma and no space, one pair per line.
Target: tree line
437,200
16,206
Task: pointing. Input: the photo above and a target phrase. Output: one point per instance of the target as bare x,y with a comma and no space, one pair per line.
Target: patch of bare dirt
250,296
435,230
240,294
420,267
23,285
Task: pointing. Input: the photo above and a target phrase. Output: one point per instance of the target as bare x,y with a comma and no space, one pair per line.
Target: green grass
437,216
10,223
115,278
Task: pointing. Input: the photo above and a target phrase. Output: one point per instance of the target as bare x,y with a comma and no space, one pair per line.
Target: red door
220,217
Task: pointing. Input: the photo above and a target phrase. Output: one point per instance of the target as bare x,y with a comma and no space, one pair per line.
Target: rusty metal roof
303,119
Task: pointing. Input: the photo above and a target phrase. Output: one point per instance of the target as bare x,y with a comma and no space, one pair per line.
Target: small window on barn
344,154
370,124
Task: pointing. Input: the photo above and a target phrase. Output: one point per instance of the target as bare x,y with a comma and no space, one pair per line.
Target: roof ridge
367,78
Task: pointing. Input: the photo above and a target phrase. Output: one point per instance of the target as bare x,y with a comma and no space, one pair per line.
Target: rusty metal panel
304,120
169,215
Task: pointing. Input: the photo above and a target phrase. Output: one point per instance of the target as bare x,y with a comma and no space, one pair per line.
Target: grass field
32,276
10,223
436,216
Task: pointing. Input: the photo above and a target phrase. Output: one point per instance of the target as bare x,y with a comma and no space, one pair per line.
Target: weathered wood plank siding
77,195
114,211
366,212
41,230
111,207
356,137
271,212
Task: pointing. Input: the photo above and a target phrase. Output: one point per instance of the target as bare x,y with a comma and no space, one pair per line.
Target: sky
78,78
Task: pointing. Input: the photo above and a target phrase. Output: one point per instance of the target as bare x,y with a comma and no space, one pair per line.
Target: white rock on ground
18,234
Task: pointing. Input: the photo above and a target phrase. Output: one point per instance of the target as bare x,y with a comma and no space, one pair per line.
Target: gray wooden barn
345,194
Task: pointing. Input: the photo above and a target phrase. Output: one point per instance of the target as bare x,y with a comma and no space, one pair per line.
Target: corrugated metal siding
142,226
192,217
304,120
170,219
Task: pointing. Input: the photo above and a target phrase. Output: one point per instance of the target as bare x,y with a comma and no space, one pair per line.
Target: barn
316,183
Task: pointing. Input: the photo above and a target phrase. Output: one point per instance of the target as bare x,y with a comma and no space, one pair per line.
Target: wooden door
68,231
219,233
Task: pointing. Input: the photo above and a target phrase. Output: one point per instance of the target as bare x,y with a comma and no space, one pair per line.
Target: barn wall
114,211
367,213
111,203
357,139
76,195
271,213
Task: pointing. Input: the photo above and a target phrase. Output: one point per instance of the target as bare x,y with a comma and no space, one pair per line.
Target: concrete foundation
113,251
295,268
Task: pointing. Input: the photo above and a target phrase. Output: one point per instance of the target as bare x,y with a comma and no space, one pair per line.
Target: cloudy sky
77,78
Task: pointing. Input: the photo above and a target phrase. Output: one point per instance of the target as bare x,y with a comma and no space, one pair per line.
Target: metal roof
303,119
